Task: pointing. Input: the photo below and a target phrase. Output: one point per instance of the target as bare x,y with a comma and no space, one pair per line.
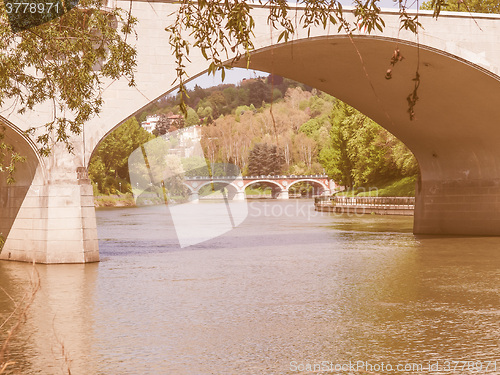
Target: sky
235,76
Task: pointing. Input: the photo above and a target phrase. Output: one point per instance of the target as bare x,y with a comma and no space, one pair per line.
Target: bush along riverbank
114,200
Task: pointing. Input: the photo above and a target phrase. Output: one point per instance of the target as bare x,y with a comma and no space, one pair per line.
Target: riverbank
127,200
404,187
123,200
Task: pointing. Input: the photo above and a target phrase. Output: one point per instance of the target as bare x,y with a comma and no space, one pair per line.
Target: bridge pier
283,194
458,207
48,215
239,196
55,224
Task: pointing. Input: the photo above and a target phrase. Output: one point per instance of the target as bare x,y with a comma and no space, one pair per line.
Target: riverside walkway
366,205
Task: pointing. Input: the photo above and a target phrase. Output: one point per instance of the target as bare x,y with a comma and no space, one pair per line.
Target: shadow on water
12,195
56,332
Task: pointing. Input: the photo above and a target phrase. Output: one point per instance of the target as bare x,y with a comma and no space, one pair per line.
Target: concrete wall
48,215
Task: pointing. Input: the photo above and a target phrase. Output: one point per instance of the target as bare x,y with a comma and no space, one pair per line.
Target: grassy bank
257,192
122,200
404,187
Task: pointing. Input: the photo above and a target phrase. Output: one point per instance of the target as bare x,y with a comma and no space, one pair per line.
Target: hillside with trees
268,126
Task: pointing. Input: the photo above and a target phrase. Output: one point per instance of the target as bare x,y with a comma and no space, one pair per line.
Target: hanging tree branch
215,27
64,61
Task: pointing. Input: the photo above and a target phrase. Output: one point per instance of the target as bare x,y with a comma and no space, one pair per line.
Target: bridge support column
239,196
283,194
458,207
48,214
56,223
194,196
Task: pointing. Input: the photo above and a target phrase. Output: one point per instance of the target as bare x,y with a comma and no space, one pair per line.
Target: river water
289,291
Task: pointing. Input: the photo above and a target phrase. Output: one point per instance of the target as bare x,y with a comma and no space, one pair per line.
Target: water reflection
57,332
14,280
277,289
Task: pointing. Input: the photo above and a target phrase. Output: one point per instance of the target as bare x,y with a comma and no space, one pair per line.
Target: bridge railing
324,200
267,177
372,202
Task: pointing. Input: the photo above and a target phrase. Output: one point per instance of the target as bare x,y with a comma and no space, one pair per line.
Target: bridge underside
455,133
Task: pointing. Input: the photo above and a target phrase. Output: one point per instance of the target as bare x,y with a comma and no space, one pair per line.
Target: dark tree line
264,159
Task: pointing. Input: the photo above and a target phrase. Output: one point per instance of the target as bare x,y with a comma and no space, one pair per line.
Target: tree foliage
162,126
213,102
64,62
9,158
192,117
230,138
264,159
360,152
109,164
312,133
258,92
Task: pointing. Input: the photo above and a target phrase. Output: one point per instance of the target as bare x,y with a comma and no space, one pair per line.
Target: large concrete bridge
48,216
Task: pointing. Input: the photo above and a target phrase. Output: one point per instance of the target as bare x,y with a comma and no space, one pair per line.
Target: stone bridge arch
459,59
459,35
19,208
234,192
278,190
311,182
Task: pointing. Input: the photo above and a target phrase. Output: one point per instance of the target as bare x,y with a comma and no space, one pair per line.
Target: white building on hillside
150,123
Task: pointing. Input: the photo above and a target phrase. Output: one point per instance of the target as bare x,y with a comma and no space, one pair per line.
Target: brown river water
289,291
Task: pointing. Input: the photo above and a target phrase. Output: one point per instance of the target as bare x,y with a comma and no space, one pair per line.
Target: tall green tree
217,102
264,159
162,125
259,92
337,158
361,152
109,163
192,117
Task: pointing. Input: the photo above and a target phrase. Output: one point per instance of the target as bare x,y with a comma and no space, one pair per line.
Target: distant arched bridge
236,186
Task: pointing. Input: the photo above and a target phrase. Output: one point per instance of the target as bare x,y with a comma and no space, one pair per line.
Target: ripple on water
274,290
